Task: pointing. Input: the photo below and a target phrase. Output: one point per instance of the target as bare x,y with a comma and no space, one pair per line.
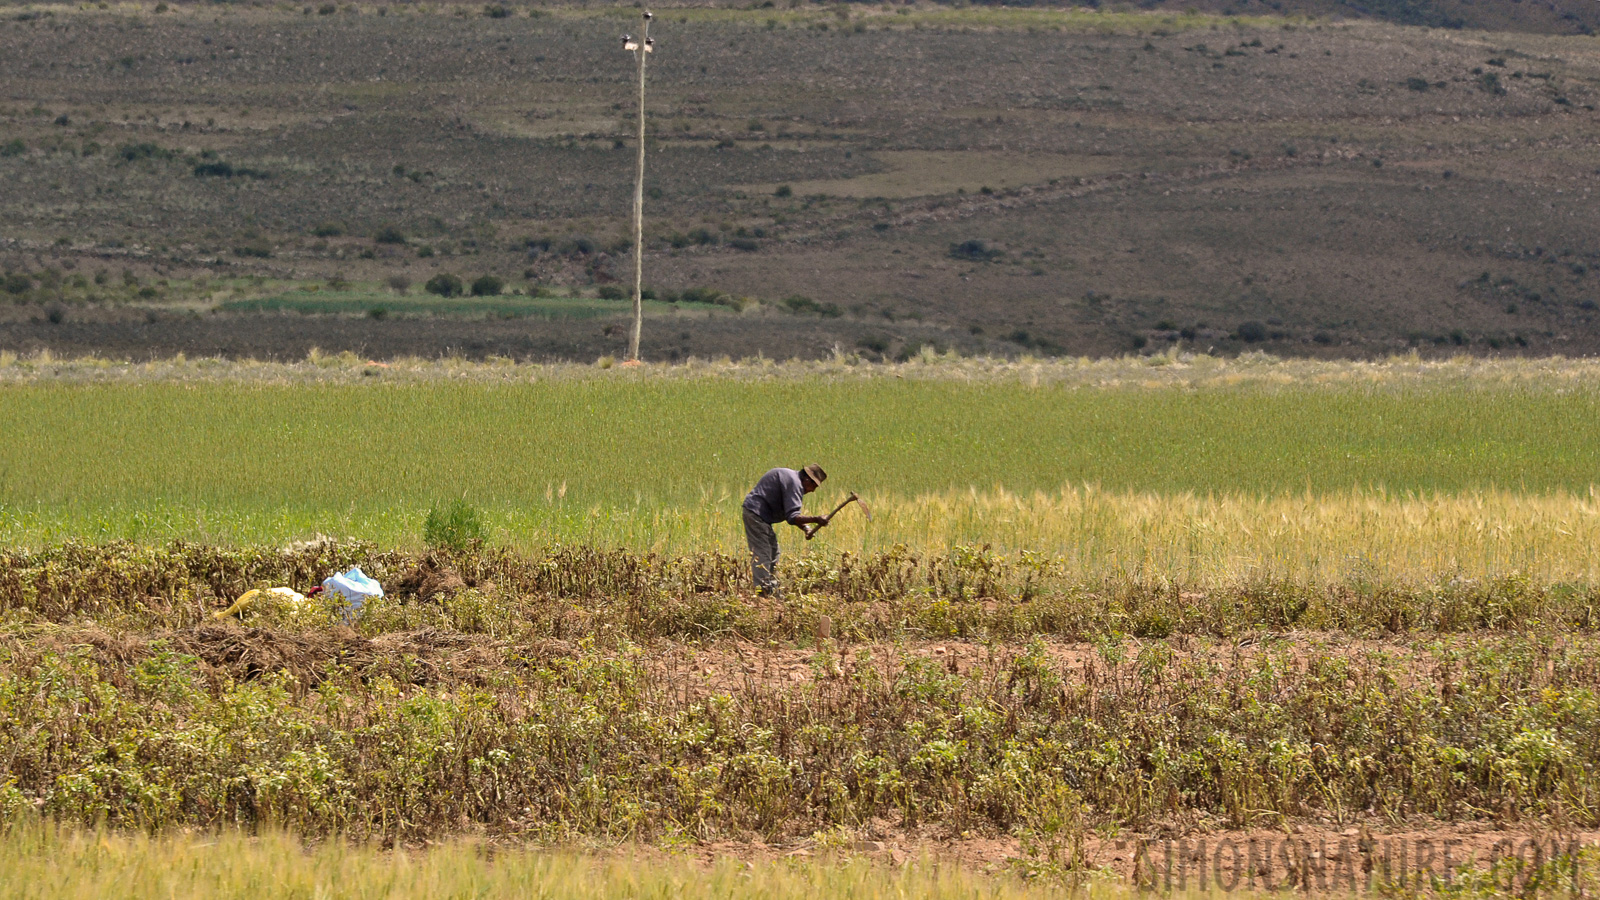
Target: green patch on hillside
508,306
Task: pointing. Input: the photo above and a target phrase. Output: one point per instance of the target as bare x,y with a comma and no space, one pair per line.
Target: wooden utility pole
641,48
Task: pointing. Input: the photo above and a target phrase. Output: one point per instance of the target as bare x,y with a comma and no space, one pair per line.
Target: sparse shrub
696,237
975,250
875,343
497,11
487,286
13,147
783,191
611,292
389,234
17,283
1489,83
801,304
255,249
328,229
700,295
222,169
578,245
444,284
143,150
1252,331
716,297
1417,84
377,314
399,283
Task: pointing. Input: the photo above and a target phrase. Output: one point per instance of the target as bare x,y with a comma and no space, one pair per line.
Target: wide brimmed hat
815,473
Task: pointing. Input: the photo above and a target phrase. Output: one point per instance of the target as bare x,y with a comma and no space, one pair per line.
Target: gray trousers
763,552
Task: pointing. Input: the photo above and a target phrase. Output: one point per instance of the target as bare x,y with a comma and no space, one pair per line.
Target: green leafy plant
453,528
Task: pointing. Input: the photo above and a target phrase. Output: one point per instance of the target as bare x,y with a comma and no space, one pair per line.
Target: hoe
852,498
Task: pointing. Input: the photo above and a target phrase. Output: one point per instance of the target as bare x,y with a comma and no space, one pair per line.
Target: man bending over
776,498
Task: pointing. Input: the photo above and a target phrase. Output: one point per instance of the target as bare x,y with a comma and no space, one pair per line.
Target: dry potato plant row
576,592
426,735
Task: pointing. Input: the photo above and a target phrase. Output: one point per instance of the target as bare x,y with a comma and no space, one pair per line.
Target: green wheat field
1194,468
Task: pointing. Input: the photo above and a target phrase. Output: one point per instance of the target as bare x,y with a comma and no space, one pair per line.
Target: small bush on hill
143,150
487,286
222,169
444,284
1251,332
800,304
578,245
975,250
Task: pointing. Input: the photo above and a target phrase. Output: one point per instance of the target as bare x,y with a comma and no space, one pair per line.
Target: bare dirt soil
874,179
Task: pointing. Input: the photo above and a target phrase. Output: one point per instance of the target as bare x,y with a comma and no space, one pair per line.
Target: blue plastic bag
355,589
